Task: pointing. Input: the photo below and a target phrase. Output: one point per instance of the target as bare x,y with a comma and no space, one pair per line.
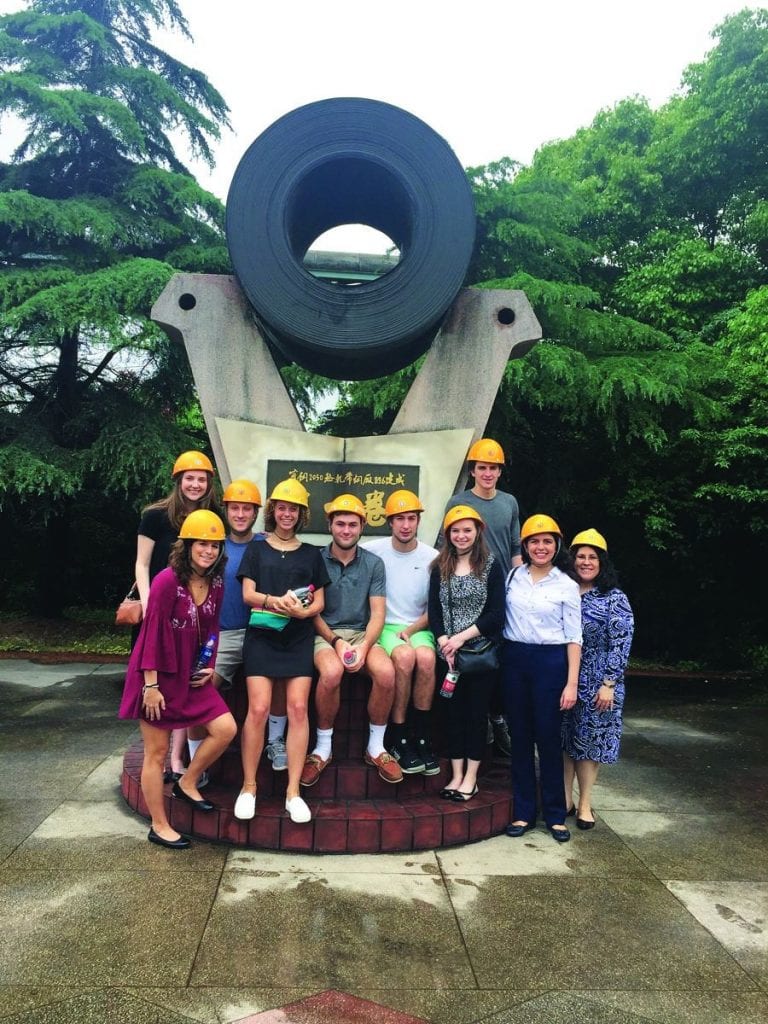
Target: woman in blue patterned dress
592,727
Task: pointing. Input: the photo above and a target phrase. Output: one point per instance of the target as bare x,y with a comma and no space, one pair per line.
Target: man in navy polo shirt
347,631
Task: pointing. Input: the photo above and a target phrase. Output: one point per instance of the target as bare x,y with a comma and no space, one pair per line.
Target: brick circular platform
353,810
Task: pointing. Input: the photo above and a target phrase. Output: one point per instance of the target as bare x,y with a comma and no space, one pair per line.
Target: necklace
283,544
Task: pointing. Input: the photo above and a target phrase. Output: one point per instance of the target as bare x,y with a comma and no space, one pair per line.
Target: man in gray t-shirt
345,641
499,510
501,516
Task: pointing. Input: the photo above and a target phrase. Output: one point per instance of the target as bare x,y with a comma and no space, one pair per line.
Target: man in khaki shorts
347,632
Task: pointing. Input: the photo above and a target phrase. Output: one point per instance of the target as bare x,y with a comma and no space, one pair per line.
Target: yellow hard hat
192,460
402,501
592,538
242,490
202,525
453,515
345,503
290,490
486,450
539,524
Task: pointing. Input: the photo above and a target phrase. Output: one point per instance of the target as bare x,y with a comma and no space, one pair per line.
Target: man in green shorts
405,636
347,631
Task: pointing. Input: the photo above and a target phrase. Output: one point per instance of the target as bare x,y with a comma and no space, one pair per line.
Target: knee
404,658
384,682
425,659
229,729
330,681
258,711
297,711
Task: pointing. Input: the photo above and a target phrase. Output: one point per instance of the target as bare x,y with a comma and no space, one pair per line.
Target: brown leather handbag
129,611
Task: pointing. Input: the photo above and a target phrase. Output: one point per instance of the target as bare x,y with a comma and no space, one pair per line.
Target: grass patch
79,631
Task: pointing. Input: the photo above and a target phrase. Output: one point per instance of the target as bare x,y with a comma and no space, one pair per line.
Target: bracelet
150,686
335,639
266,602
610,684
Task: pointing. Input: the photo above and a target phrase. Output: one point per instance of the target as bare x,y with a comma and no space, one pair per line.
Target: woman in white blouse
540,672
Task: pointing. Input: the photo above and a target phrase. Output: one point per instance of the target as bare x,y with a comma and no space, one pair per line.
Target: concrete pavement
658,914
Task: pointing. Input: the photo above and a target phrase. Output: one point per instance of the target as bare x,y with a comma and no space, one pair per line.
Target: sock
277,725
396,733
421,724
376,739
193,745
323,744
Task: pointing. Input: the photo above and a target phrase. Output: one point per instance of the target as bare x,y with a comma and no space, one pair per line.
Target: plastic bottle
205,656
449,684
304,594
350,657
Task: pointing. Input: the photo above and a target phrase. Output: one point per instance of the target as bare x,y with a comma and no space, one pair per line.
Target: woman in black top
271,571
466,600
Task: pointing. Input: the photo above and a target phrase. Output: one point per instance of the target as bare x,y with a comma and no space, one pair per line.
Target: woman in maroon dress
164,687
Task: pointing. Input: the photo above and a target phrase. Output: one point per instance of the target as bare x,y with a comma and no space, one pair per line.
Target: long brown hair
175,505
448,558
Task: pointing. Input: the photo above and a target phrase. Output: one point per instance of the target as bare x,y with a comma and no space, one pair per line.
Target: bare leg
297,740
156,743
328,692
469,781
404,659
218,735
457,772
569,774
252,740
178,749
379,666
586,773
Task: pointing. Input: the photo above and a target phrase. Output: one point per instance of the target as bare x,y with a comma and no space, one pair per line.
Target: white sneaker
277,755
298,810
245,806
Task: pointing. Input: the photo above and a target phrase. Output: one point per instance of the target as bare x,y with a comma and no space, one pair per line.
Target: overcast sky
493,78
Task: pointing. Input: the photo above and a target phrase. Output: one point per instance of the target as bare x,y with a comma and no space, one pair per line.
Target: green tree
96,212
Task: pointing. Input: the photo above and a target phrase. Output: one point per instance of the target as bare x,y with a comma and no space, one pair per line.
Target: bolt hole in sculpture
348,317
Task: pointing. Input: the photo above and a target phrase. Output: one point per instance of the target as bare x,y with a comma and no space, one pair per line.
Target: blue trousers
534,676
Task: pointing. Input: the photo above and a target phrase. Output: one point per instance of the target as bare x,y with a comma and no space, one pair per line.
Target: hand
604,698
153,703
201,677
568,697
361,652
288,604
404,635
449,648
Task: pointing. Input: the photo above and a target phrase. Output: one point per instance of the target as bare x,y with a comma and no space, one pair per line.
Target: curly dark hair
607,578
269,517
180,561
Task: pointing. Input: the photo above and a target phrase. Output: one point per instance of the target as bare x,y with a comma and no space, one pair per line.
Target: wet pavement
658,914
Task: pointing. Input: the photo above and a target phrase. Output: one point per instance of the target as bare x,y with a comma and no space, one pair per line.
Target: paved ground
659,914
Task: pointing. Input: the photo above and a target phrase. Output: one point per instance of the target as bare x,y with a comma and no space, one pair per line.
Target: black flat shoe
515,831
560,835
182,843
199,805
447,794
460,797
172,776
584,825
571,811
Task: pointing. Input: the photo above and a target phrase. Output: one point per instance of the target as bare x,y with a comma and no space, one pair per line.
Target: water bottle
205,656
449,684
350,657
304,594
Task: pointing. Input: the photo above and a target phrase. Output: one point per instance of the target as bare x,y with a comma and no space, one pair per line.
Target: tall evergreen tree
96,211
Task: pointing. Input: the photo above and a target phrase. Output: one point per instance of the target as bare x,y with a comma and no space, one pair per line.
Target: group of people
524,632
